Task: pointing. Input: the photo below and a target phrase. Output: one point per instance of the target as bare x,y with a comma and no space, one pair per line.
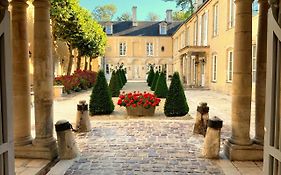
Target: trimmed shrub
120,78
114,85
100,101
150,77
161,89
176,104
155,79
124,75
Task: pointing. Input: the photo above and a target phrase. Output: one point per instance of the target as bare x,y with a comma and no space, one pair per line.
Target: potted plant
58,87
139,104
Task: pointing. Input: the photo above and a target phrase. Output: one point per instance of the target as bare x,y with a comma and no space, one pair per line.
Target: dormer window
108,29
163,28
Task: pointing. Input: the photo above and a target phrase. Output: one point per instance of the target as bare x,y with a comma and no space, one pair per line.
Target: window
123,49
182,40
231,15
162,48
204,29
215,20
176,45
229,66
195,33
163,29
214,68
254,62
187,36
108,29
149,49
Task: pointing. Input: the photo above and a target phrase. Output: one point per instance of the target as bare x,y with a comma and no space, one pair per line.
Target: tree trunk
86,63
91,58
78,61
70,62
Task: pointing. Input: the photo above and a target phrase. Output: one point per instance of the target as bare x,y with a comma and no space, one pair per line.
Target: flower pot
140,111
58,90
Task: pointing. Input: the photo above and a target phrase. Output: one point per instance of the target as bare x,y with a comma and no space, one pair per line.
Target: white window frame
254,62
187,37
230,65
163,29
214,68
108,29
182,40
231,14
149,49
204,29
195,33
122,49
215,19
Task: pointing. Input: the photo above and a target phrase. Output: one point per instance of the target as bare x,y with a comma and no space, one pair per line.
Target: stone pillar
43,81
240,143
21,85
261,71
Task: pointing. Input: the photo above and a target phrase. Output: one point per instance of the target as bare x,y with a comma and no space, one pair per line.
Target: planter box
140,111
58,91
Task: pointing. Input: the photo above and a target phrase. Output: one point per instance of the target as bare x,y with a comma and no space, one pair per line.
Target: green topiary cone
161,89
114,85
101,101
155,79
150,77
176,104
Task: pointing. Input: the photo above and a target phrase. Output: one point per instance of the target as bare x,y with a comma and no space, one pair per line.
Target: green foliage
150,77
184,4
120,78
175,104
123,75
104,13
124,17
114,85
181,15
155,79
152,16
100,100
161,89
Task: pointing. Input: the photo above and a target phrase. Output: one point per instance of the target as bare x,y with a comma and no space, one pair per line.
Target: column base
37,152
243,153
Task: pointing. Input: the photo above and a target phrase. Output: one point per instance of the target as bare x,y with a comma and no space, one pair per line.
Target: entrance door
202,74
136,72
6,129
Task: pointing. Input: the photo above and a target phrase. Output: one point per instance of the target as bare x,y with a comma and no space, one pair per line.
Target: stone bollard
66,143
82,118
202,117
211,147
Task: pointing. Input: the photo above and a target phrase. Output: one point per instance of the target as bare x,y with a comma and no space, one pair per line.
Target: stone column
43,81
261,71
21,84
240,143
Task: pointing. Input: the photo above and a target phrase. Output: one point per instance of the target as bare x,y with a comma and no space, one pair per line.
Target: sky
144,7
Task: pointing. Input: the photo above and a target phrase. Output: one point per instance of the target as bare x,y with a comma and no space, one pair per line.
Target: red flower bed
135,99
77,81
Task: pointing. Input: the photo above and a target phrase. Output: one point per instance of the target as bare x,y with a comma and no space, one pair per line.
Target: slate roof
144,28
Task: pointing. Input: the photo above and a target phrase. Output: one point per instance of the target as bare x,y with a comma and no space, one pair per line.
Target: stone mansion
200,48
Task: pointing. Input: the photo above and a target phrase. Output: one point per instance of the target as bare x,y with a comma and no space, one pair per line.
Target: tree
153,17
150,76
181,15
124,17
175,104
101,100
155,79
184,4
161,89
114,85
104,13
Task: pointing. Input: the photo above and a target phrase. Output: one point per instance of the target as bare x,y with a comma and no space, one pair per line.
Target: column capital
20,3
42,3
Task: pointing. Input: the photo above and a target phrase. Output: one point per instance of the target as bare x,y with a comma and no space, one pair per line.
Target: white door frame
6,119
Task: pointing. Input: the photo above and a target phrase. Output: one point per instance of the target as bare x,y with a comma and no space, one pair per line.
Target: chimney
134,16
169,16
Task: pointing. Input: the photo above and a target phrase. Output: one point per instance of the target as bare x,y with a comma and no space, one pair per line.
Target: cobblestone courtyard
141,147
155,145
